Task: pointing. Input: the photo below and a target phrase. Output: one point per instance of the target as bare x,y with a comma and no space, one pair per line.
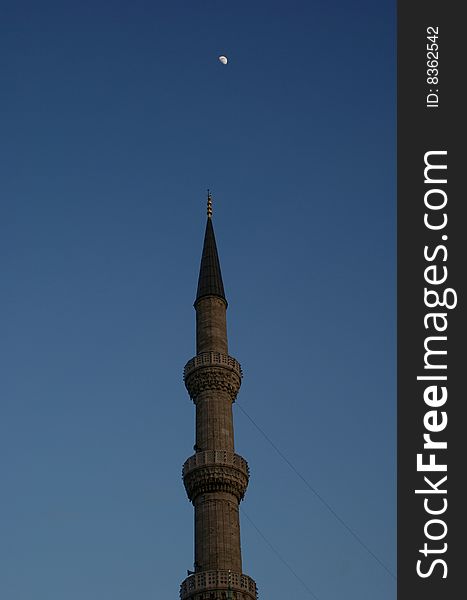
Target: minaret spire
210,277
215,477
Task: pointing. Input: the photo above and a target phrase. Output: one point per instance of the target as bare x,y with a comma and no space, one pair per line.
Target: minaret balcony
215,471
242,586
212,371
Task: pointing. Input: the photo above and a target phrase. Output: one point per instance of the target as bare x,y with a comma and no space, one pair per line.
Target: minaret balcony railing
212,359
219,581
216,457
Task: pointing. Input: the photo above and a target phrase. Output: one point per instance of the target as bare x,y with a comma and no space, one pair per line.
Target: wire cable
281,558
318,495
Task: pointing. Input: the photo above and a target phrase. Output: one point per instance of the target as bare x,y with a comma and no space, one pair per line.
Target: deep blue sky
115,118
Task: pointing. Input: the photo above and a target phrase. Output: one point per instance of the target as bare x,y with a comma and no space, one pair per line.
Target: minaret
215,477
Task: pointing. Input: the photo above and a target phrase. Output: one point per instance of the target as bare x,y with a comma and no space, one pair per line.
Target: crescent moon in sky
223,59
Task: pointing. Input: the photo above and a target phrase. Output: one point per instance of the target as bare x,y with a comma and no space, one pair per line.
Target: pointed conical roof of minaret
210,277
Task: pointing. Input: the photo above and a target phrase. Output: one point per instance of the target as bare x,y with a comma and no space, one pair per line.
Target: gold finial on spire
209,205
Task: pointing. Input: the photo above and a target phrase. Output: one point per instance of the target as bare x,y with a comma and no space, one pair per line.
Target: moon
223,59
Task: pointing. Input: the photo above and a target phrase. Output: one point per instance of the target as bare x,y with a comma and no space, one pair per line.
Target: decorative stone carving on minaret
215,477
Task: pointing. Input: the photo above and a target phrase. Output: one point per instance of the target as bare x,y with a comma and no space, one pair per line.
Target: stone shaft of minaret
211,325
217,527
214,420
215,478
